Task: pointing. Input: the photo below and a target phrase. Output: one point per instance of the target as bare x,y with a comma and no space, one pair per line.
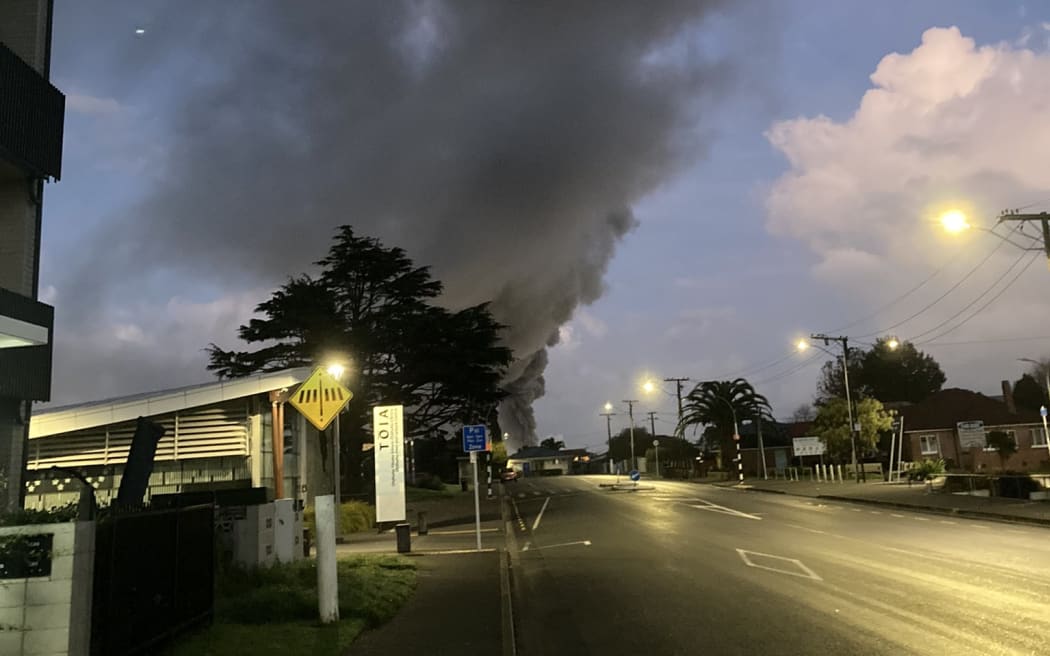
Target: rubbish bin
404,537
421,523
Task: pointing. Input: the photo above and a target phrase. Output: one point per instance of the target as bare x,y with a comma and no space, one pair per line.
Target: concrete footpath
901,495
462,595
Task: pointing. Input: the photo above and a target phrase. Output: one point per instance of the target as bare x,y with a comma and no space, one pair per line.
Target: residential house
953,424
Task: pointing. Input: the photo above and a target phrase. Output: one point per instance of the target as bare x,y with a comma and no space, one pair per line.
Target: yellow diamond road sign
320,398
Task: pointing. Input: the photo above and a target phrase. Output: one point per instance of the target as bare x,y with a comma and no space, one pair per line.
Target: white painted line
455,551
807,573
585,543
980,526
464,532
536,524
948,521
921,519
714,507
526,547
875,512
896,515
856,509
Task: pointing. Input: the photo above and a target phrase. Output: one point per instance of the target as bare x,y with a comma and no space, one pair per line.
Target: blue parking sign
474,438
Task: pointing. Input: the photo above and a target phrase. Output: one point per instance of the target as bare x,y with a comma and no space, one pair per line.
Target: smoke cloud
504,143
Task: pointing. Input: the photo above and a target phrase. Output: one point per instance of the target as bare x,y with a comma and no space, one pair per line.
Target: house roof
535,452
943,410
53,421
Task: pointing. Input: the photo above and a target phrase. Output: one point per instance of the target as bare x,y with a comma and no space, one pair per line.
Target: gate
154,577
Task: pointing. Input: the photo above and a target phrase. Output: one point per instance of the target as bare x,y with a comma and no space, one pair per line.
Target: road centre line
536,524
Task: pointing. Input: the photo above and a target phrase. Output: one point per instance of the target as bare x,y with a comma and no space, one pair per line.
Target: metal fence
154,577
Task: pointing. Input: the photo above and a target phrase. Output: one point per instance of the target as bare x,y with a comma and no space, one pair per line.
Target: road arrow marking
714,507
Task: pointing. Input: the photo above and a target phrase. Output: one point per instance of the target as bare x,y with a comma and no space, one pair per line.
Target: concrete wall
51,615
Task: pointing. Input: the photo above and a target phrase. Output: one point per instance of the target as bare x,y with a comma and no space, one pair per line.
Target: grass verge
425,494
273,611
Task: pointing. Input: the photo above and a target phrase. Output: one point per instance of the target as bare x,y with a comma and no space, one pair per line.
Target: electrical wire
993,299
990,341
791,371
975,301
940,298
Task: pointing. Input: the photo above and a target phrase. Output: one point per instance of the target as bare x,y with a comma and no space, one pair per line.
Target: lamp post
630,413
608,414
955,222
335,370
803,345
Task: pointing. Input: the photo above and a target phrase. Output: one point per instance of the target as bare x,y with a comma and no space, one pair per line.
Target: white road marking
456,551
585,543
714,507
856,509
806,573
921,519
526,547
536,524
947,521
875,512
896,515
463,532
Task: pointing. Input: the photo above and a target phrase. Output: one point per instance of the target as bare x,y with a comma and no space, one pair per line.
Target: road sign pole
477,502
1046,431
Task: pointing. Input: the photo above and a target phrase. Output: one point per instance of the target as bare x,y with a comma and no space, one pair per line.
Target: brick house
953,424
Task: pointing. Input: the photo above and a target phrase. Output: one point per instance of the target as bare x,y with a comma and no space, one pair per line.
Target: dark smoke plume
504,142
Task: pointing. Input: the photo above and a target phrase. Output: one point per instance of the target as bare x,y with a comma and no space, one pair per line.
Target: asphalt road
694,569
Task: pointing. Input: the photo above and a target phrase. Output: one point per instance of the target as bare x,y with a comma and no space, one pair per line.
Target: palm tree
722,404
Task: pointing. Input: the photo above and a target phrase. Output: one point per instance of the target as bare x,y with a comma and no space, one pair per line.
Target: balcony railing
32,112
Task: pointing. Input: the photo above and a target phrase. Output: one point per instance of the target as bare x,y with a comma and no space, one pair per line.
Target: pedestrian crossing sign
320,398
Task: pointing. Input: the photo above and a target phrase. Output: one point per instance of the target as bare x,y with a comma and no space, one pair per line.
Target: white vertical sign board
388,434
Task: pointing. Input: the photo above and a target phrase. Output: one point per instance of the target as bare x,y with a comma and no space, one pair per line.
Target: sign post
473,441
656,444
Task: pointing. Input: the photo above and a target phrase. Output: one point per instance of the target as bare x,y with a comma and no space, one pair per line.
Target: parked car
508,475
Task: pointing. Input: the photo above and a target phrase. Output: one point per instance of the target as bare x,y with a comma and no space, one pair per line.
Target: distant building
31,121
534,460
953,424
219,435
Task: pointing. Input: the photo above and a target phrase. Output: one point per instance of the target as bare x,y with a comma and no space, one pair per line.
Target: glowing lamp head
801,345
336,370
954,221
892,343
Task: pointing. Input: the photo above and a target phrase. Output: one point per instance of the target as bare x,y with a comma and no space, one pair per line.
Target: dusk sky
680,188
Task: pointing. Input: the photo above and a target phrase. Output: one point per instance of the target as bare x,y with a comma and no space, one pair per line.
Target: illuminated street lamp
955,222
608,414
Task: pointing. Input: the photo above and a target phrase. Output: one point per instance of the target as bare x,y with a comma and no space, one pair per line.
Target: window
1038,437
929,445
1011,434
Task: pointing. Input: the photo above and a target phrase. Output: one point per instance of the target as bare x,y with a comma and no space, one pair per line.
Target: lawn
274,611
425,494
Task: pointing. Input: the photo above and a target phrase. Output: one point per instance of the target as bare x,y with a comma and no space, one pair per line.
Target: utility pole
608,414
849,403
1042,218
630,413
652,421
678,392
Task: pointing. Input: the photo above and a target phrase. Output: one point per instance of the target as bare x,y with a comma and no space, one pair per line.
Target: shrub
926,469
56,515
356,516
429,482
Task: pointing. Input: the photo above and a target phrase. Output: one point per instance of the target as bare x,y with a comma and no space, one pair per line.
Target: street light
802,346
608,414
955,222
336,370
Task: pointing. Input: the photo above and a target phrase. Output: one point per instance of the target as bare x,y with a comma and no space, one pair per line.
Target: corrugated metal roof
54,421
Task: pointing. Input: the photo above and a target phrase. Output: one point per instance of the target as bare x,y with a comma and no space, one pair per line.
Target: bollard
327,580
840,474
404,537
306,543
421,523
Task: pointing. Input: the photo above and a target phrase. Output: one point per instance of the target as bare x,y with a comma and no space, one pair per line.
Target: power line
940,298
990,301
789,372
991,341
969,305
